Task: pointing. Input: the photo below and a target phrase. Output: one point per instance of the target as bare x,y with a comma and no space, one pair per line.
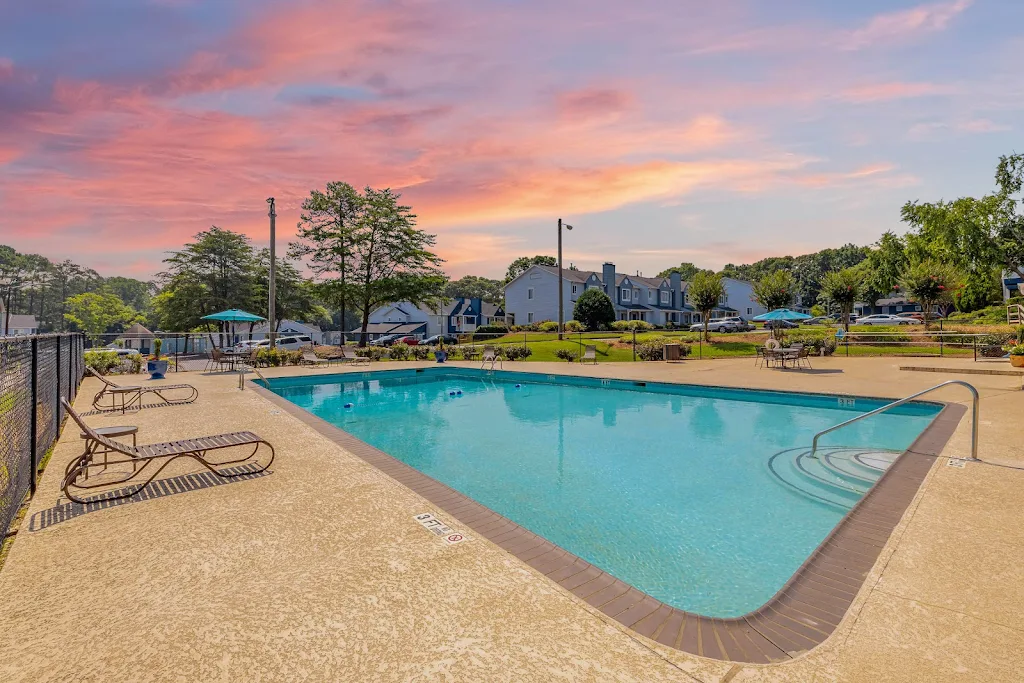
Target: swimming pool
703,498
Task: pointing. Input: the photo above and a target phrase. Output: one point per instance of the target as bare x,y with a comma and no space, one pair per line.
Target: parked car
285,343
120,351
733,324
408,340
819,320
438,338
886,319
386,340
781,325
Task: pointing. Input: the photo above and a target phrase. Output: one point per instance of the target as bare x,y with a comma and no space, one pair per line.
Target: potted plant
1016,355
155,366
440,355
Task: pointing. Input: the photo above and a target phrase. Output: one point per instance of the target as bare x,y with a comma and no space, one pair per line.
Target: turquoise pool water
666,487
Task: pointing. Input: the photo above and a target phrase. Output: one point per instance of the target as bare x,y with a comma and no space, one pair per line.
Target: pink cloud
877,92
896,26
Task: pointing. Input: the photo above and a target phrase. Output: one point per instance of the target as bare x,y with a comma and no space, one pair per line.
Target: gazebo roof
137,331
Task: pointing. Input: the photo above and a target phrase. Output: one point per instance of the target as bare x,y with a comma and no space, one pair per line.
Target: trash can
671,351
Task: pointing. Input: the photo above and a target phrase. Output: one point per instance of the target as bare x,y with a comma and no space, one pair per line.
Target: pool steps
838,476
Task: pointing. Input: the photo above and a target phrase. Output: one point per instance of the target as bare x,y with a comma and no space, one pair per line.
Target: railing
889,406
1014,314
921,343
242,369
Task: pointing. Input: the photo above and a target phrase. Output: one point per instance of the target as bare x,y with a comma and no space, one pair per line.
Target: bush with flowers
931,283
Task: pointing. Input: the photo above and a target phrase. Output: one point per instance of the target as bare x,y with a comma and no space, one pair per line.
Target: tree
976,234
521,264
294,297
686,271
931,283
842,288
374,257
705,291
134,293
594,309
474,287
218,270
886,263
774,290
95,313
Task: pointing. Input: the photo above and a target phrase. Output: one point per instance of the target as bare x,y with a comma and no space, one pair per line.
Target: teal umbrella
781,314
234,315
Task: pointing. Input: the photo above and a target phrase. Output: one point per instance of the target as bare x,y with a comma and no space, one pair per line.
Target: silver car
886,319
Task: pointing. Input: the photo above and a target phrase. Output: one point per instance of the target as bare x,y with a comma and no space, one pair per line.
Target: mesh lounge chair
589,354
491,356
347,358
131,396
313,359
127,470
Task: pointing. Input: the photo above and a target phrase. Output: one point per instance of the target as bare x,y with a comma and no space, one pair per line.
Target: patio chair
794,354
315,360
221,360
139,466
589,354
347,358
491,356
131,395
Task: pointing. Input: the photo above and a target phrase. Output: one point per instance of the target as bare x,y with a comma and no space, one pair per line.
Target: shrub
652,350
493,328
528,327
813,341
132,365
548,326
632,325
372,352
399,351
594,309
102,361
1016,350
471,352
574,326
516,352
421,352
566,354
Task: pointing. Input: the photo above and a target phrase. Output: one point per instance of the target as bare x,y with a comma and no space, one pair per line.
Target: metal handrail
241,375
974,415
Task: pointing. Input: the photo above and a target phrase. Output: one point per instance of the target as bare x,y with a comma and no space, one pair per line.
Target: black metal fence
34,373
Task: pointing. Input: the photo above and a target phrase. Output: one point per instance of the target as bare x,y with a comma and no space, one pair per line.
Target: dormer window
626,295
664,298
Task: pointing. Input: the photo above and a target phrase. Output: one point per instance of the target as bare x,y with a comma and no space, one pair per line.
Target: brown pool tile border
799,617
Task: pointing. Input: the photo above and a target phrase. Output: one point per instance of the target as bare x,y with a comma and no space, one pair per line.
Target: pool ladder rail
242,369
889,406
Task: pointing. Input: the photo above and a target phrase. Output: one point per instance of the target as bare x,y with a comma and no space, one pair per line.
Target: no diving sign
439,528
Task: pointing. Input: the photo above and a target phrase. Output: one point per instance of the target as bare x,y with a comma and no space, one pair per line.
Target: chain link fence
34,373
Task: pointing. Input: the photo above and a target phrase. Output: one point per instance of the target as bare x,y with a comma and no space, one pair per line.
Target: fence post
71,371
56,401
34,417
634,344
974,343
940,343
176,340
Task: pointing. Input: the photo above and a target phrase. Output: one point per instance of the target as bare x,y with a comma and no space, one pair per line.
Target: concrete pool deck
319,571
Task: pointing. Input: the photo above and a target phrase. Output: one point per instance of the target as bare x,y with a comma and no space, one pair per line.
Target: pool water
666,487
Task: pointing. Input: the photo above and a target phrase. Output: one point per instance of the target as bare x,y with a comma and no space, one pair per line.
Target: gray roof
894,301
584,275
23,322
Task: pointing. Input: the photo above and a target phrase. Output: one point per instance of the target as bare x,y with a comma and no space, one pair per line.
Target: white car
285,343
886,319
734,324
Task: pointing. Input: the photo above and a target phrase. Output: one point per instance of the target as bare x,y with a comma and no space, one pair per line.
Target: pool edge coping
801,615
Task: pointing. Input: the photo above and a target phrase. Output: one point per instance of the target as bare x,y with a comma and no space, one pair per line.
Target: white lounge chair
347,358
315,360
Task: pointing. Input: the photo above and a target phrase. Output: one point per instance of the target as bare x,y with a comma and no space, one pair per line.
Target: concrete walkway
319,572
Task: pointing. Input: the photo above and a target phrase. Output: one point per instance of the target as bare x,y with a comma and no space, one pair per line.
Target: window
664,298
529,295
636,295
625,294
529,316
899,309
750,311
575,288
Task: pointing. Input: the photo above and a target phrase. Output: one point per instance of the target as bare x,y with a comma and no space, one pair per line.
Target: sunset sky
664,131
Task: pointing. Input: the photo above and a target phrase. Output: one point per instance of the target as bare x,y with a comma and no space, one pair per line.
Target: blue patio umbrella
234,315
781,314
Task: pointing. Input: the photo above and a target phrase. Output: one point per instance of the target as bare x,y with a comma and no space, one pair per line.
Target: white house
262,329
19,325
533,296
453,317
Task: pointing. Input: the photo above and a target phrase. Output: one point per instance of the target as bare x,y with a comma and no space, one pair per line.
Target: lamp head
568,227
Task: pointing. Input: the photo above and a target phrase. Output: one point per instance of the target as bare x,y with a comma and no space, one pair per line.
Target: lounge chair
131,395
350,359
589,353
491,356
313,359
138,466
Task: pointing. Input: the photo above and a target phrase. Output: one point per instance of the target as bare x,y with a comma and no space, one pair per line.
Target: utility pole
561,313
344,249
271,289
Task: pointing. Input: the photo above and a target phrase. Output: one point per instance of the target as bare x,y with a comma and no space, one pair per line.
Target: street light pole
341,231
271,289
561,313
